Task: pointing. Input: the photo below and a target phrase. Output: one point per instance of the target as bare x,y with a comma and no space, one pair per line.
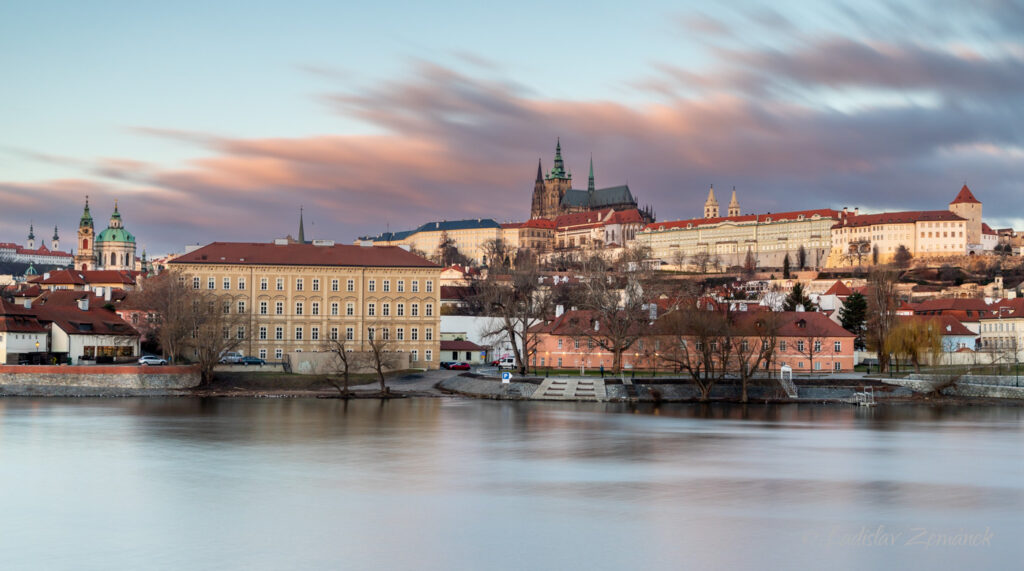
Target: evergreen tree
853,316
801,258
797,297
785,267
902,257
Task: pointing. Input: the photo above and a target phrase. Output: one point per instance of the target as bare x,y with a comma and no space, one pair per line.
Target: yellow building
298,297
469,236
768,237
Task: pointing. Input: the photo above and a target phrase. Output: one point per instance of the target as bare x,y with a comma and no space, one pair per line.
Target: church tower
56,240
711,205
734,205
84,258
31,238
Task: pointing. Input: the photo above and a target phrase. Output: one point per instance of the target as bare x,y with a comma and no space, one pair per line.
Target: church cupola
115,218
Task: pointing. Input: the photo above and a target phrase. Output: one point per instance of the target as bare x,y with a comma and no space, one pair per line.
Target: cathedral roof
600,198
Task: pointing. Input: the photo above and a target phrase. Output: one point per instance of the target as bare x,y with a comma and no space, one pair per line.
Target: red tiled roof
581,218
68,297
74,321
759,218
948,324
539,223
16,319
909,217
965,195
83,277
839,289
986,229
626,217
460,346
814,324
253,253
42,250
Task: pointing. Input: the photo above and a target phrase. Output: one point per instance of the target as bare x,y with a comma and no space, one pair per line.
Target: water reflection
285,483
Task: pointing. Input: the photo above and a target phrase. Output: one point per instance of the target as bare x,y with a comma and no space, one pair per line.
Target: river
465,484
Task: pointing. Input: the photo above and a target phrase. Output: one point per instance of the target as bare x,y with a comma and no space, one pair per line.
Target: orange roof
758,218
965,196
839,289
909,217
256,253
83,277
581,218
986,229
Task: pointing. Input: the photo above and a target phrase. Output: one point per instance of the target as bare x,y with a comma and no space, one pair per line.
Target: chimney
28,304
559,310
856,211
106,294
83,303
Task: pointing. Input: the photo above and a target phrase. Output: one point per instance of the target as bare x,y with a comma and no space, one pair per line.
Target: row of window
350,285
335,308
350,333
428,355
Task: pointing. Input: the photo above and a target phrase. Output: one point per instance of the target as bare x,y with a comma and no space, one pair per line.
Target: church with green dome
111,249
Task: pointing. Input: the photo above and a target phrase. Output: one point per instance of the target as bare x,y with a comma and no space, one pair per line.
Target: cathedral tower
966,206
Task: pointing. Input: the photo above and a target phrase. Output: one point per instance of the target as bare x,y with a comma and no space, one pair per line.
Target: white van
507,363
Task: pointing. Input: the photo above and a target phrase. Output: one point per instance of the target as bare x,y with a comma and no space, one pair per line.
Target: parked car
253,361
447,364
231,358
152,360
459,366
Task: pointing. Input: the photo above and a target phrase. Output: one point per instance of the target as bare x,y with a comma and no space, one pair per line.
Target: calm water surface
445,484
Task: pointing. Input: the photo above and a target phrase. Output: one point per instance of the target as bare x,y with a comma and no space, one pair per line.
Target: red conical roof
965,196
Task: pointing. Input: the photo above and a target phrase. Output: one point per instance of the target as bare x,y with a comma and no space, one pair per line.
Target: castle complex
554,196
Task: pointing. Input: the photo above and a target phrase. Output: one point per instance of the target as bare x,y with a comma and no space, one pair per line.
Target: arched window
85,266
113,259
85,244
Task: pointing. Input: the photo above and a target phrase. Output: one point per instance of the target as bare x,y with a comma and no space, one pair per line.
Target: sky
217,121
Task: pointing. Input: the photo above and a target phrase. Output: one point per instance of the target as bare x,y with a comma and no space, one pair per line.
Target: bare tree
678,259
516,302
379,354
617,305
346,361
701,260
755,349
213,331
497,254
700,343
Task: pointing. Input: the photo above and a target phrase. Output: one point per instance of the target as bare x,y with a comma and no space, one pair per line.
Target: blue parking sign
506,377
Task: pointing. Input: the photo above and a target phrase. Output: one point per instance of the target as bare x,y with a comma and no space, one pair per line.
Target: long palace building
298,296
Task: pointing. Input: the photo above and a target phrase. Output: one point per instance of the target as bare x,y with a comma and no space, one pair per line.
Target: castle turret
711,205
966,206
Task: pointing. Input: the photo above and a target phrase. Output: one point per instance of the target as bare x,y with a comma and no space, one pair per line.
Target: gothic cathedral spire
590,180
302,230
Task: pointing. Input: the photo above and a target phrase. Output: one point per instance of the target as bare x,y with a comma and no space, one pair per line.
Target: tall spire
55,236
558,170
302,230
31,232
590,180
711,205
734,205
540,173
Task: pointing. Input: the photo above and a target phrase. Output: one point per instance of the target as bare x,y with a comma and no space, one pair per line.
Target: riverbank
682,390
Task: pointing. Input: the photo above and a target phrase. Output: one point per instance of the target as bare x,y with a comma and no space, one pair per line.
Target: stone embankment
976,386
597,389
128,380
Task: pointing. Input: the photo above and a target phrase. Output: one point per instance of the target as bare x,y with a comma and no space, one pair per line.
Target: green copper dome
115,235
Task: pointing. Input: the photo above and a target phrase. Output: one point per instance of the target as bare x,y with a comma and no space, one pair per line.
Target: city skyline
213,124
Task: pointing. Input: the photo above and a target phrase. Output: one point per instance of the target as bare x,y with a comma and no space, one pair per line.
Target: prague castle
554,196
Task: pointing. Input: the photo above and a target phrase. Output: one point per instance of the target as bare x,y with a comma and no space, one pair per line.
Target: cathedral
553,194
112,249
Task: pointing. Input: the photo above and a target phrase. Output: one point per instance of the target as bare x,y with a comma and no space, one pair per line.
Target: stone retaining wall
143,378
967,386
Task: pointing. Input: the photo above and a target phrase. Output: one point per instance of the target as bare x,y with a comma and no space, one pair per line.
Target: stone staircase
571,388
